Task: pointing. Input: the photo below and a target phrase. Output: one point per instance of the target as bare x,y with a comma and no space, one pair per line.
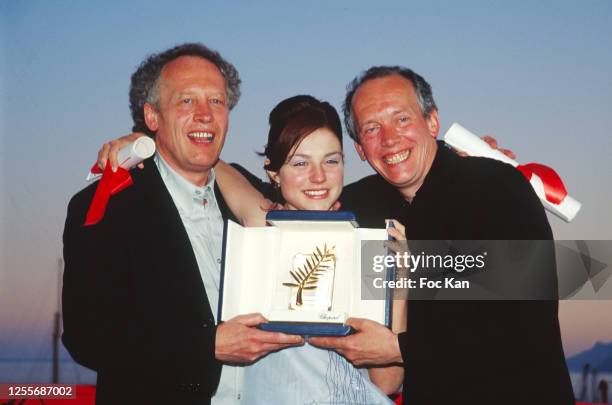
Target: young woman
305,165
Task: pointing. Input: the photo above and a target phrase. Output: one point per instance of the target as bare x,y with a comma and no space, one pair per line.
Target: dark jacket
477,352
134,306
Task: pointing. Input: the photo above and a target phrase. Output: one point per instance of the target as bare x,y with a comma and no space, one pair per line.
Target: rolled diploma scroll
129,156
465,141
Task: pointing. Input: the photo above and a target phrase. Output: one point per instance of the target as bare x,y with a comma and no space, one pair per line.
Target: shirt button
219,261
208,323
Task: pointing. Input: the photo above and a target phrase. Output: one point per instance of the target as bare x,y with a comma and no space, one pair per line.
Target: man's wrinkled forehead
382,94
188,68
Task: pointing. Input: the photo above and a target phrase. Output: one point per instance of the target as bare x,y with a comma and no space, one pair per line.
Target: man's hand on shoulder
493,144
110,149
239,341
372,344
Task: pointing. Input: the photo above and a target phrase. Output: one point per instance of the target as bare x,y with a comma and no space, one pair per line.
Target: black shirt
478,352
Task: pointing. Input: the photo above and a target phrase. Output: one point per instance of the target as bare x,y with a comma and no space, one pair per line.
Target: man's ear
360,152
433,124
151,117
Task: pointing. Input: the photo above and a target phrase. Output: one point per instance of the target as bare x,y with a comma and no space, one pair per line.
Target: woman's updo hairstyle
292,120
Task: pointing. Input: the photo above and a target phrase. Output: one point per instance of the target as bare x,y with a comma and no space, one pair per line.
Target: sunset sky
537,75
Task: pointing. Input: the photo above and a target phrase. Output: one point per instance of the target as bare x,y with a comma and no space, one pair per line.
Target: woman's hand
493,144
109,151
389,379
397,231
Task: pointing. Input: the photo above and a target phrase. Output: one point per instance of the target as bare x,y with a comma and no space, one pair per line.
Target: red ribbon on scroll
554,189
111,183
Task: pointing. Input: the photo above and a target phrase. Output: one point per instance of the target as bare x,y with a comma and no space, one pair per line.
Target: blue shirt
199,211
308,375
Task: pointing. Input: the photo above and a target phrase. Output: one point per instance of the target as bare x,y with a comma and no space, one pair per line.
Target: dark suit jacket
478,352
134,305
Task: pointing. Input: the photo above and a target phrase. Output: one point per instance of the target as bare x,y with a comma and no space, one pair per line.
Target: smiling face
192,116
312,177
395,138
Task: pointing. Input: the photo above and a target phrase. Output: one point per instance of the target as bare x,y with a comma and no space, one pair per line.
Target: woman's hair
292,120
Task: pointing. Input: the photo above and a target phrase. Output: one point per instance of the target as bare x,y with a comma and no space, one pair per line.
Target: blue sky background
537,75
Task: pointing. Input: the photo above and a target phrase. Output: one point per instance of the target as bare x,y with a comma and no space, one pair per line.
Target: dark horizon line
22,359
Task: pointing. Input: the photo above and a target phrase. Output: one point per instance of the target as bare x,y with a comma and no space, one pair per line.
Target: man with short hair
141,287
477,352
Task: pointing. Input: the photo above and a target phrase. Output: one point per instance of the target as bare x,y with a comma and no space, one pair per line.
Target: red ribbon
111,183
554,189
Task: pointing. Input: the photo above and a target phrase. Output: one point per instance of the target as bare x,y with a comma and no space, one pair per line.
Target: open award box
303,273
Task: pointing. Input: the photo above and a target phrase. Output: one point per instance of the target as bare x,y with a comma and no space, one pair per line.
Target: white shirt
199,211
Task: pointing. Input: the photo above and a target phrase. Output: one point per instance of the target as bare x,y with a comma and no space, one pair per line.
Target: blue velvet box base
308,329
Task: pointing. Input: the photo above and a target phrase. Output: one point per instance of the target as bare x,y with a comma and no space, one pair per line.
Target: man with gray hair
141,287
477,352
